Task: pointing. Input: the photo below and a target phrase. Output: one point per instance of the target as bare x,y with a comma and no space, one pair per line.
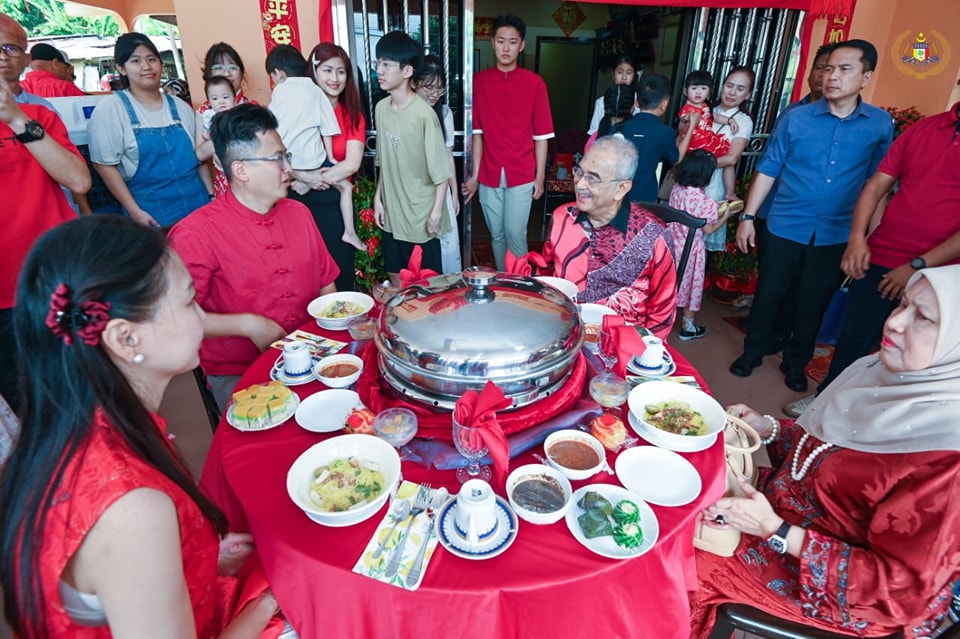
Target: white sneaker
795,409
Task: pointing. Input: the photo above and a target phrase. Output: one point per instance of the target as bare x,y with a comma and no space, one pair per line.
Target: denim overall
166,184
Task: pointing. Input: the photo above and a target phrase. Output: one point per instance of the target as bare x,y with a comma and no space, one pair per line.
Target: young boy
414,167
307,123
511,127
222,97
655,141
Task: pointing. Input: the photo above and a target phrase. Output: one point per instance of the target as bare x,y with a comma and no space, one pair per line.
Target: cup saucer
504,533
667,367
277,374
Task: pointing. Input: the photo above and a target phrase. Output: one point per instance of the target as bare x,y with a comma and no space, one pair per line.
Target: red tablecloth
546,585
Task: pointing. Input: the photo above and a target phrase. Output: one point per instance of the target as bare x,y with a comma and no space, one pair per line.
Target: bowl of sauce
338,371
574,453
539,494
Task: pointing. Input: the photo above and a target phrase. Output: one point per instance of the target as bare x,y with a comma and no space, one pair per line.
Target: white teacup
476,516
296,358
652,356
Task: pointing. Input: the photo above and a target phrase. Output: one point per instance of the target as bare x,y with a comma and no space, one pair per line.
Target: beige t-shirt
112,140
413,161
305,116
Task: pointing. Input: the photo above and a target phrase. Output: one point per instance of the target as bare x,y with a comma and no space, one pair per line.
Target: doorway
565,64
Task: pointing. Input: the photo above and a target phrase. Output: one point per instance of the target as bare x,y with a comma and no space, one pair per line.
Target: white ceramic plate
668,367
327,411
493,545
606,546
659,476
318,306
655,437
277,374
287,414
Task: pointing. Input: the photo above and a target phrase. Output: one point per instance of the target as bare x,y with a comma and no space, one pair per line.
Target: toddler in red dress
696,88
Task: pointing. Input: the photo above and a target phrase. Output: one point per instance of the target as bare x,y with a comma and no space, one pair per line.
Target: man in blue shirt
822,154
654,140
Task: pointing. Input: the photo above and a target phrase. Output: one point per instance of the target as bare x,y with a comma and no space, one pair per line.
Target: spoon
400,512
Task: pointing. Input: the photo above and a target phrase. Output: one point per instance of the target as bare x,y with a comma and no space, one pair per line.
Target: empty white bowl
320,307
664,391
532,471
576,474
366,449
344,380
566,287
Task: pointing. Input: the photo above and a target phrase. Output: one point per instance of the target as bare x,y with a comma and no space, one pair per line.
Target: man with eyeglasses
36,158
256,256
51,74
616,252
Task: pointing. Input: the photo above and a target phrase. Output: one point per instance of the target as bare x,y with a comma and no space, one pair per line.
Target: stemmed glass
607,388
396,426
470,444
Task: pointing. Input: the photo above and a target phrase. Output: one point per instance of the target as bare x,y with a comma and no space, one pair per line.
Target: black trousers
866,313
785,313
325,208
396,254
813,274
9,379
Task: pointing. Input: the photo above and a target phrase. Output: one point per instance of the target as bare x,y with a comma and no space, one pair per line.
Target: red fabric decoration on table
622,340
517,265
377,395
521,265
479,410
88,321
413,274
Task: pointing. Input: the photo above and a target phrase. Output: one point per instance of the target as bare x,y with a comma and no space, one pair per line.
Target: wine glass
470,444
607,388
396,426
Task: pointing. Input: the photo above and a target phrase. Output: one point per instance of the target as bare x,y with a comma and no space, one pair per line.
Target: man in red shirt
919,228
51,75
36,158
511,126
256,257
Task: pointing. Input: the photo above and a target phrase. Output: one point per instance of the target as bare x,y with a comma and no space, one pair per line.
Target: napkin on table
418,530
521,265
621,339
413,274
479,410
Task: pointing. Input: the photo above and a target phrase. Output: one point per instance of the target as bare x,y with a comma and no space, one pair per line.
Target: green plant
903,118
368,264
49,17
731,261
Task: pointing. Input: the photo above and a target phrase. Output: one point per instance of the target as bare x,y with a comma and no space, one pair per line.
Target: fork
421,503
414,575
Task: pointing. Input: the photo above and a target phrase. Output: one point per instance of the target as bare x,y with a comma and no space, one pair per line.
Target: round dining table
545,585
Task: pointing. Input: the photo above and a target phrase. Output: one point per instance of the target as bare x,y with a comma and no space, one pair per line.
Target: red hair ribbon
88,321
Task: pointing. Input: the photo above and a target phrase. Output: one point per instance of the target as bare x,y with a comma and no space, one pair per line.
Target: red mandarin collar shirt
244,262
49,85
510,110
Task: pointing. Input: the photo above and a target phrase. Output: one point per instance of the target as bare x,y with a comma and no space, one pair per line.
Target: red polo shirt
511,110
926,209
48,85
33,202
244,262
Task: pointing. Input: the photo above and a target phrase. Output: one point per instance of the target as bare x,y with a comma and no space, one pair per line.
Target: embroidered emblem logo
922,54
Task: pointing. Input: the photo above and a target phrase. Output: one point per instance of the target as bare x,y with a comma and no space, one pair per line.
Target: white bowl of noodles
335,311
312,481
675,416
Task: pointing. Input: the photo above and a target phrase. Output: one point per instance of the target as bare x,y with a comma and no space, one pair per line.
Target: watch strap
32,132
778,541
747,218
918,263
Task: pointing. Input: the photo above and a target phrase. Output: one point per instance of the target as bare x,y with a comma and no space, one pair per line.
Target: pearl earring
138,358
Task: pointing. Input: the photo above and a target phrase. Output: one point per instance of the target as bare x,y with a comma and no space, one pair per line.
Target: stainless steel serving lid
479,325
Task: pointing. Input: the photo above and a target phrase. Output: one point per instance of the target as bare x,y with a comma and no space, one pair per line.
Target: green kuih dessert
626,512
628,535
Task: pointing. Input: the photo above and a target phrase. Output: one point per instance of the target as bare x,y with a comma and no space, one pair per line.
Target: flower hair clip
87,322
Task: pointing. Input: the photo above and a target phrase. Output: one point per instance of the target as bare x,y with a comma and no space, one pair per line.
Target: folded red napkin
413,274
517,265
622,340
479,410
521,265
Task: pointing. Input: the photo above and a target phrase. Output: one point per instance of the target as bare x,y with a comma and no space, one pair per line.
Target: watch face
777,544
34,129
918,263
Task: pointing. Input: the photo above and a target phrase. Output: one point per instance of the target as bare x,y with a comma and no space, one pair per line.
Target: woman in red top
102,530
330,68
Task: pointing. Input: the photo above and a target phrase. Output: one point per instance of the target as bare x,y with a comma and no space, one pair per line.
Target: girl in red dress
102,529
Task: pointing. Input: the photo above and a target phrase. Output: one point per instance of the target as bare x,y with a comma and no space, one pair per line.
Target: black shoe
743,366
795,379
699,330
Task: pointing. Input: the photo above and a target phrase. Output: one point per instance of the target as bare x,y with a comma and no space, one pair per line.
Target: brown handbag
739,451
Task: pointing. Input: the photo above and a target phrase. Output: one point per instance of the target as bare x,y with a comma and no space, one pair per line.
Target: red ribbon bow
413,274
87,322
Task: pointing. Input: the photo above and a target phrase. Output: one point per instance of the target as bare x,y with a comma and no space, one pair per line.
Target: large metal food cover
437,342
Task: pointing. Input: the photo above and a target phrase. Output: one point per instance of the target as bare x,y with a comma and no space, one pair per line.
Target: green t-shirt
413,161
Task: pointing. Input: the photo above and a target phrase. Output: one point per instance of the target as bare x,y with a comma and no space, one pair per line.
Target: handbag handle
736,422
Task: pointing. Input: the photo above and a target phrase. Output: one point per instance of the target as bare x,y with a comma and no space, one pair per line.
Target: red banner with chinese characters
278,19
837,30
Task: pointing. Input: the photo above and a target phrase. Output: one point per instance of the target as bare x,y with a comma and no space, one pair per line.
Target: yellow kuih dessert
262,406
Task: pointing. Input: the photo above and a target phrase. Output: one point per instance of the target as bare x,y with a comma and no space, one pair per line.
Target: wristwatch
778,541
747,218
918,263
33,132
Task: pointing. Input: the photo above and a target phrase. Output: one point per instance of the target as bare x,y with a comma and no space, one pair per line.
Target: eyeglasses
12,50
282,158
433,91
592,180
380,65
220,68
